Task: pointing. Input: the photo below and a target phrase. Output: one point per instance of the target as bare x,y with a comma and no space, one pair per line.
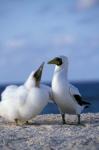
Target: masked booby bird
66,96
22,103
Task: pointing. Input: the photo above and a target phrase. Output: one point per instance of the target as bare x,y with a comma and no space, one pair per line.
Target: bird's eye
59,61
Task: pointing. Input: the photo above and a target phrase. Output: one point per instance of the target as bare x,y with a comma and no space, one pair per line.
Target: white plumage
26,101
65,94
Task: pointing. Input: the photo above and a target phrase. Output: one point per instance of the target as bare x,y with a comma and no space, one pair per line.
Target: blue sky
37,30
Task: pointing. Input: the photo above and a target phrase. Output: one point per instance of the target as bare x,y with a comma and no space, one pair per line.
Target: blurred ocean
89,91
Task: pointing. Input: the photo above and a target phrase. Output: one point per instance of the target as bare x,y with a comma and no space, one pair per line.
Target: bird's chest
60,93
62,97
36,101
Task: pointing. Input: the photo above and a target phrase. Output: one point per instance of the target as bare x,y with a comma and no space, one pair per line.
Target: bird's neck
61,72
30,83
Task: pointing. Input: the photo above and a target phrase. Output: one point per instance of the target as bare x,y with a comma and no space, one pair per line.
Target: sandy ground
46,132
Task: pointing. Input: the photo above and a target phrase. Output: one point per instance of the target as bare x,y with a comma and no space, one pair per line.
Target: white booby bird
66,96
22,103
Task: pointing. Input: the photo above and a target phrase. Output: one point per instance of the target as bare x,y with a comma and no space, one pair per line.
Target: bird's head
35,77
59,61
38,74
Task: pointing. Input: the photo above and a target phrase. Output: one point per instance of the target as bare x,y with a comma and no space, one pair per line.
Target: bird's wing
73,90
77,96
49,90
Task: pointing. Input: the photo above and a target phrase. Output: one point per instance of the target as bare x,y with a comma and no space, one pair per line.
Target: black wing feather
79,100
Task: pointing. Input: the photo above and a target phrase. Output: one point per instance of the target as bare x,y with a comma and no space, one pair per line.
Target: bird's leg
16,121
63,118
78,119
